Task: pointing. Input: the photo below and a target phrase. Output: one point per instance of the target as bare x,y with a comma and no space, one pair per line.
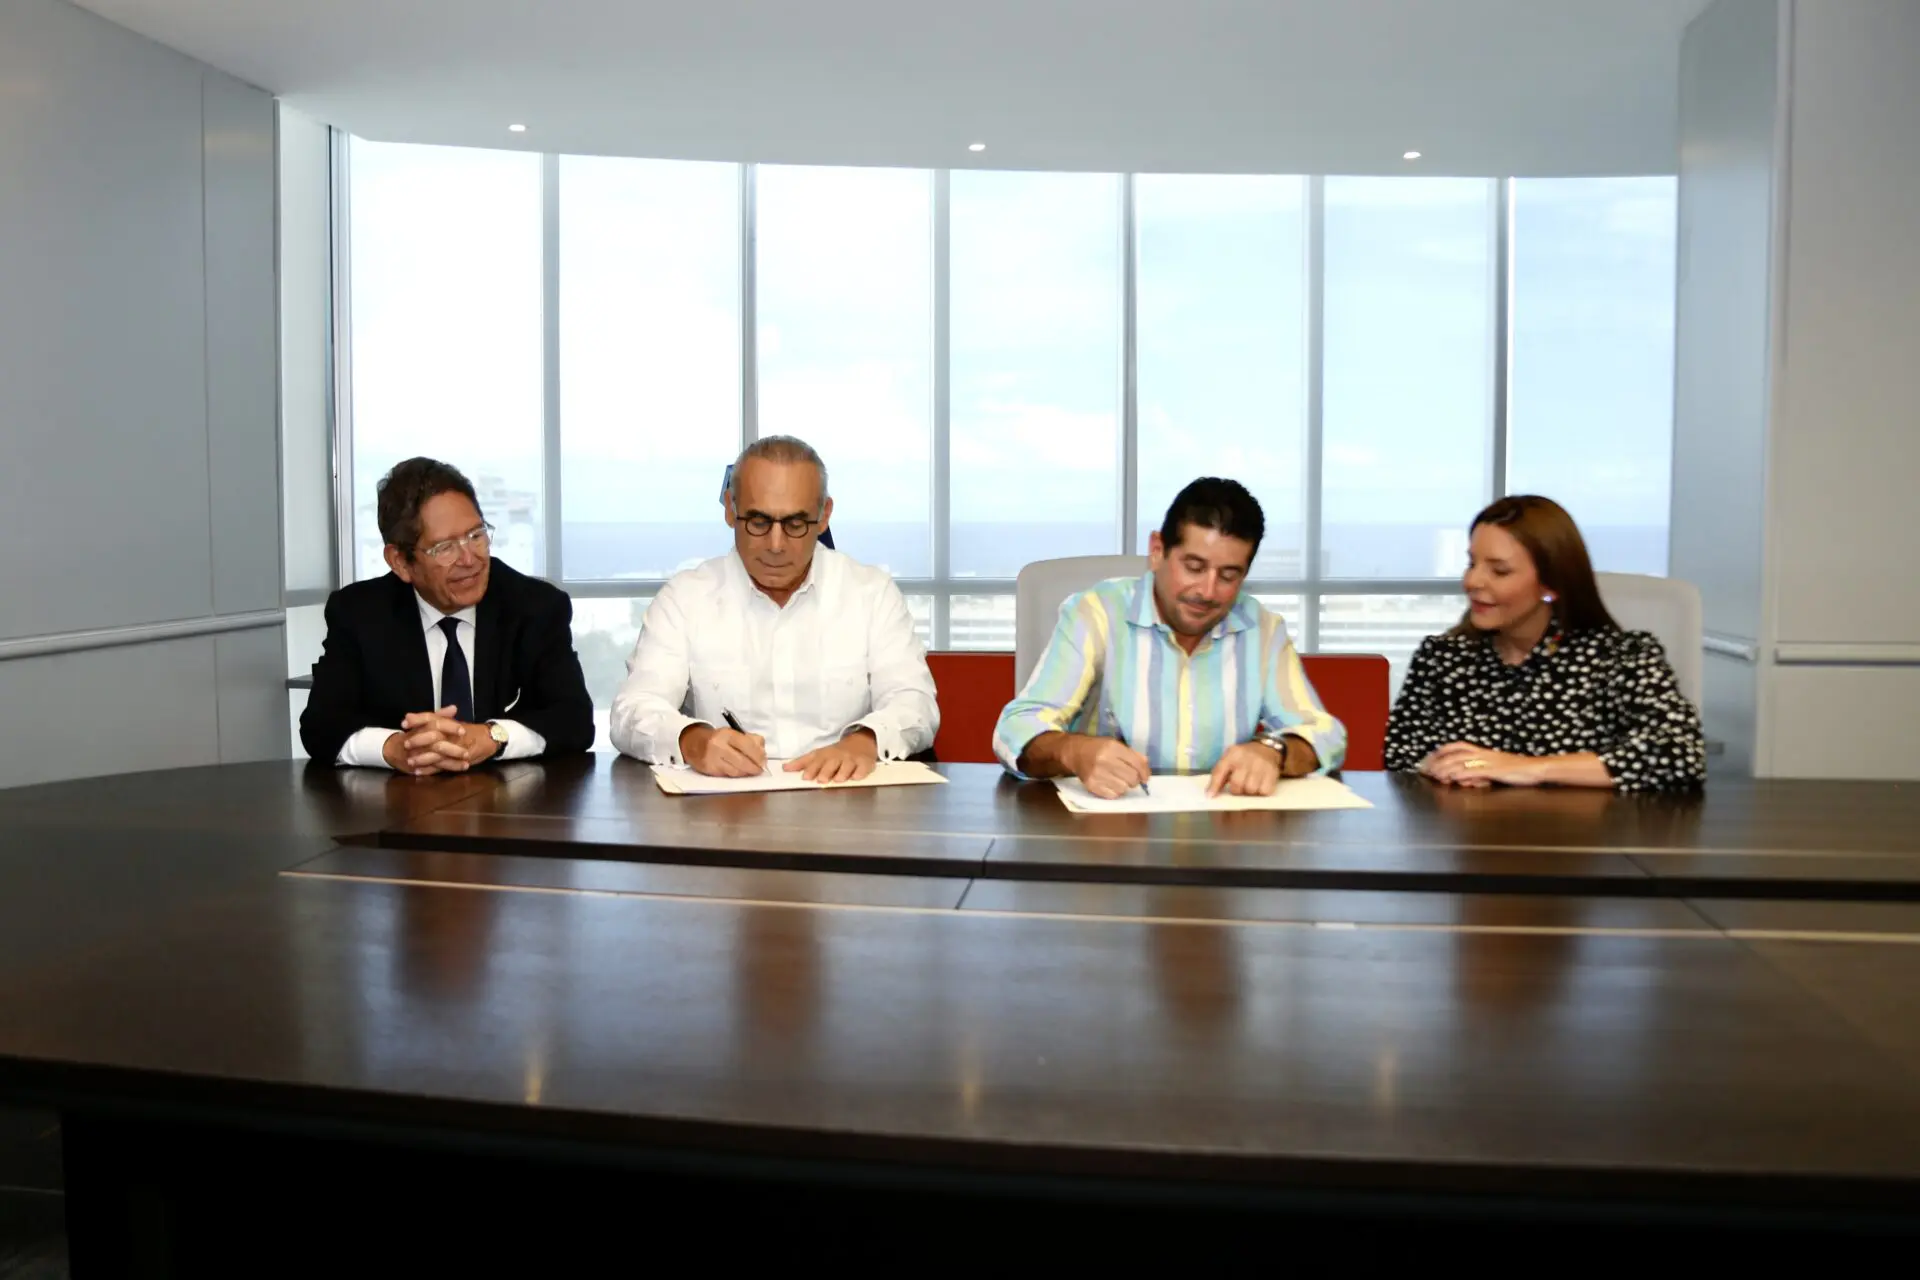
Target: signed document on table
1187,793
677,780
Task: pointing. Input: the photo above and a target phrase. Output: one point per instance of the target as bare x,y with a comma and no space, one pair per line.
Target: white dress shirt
840,655
366,748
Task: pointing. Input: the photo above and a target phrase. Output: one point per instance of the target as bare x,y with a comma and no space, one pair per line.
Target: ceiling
1278,86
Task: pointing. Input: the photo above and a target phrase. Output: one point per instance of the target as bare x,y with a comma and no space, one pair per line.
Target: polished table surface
1801,839
1587,995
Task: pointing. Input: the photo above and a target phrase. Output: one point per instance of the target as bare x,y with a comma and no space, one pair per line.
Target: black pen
1106,713
735,726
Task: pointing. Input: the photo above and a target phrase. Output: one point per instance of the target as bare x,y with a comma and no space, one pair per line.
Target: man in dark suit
450,660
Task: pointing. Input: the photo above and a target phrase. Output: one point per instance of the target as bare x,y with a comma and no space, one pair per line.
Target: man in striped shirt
1174,671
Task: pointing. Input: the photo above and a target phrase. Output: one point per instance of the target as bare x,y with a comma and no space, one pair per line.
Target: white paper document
678,780
1187,793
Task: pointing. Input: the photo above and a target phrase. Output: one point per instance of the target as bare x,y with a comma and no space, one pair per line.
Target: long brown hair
1559,553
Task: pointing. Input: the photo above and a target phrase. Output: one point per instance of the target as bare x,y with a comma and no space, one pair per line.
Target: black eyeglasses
760,524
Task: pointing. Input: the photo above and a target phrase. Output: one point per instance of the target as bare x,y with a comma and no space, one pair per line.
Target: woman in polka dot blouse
1538,684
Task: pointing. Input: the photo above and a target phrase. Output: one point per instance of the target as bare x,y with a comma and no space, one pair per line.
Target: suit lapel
416,673
488,645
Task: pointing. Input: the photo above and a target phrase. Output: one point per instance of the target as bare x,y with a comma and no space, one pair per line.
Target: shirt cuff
671,740
891,743
1010,742
366,749
521,741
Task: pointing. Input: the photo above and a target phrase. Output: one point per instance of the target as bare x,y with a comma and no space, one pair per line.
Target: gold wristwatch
498,732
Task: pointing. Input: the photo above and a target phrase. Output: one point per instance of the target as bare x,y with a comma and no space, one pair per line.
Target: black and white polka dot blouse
1608,692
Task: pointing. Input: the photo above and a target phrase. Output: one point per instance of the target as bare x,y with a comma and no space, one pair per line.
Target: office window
1292,610
1408,373
604,632
981,622
448,349
649,362
845,337
306,632
1035,336
921,607
1590,393
1221,348
1392,626
446,332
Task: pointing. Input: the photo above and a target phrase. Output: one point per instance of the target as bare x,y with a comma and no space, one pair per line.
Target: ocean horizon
995,552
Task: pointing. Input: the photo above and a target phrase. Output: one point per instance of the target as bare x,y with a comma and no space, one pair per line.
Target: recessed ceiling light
1411,155
976,146
516,128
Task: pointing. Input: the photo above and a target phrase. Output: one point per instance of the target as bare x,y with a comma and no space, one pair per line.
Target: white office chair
1667,607
1039,591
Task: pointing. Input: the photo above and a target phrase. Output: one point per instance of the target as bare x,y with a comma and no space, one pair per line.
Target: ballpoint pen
734,725
1113,721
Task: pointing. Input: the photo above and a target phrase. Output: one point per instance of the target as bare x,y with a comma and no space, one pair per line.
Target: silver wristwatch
1277,741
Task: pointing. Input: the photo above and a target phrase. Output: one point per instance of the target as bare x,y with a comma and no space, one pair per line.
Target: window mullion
1129,372
550,493
749,304
1316,275
1502,329
942,408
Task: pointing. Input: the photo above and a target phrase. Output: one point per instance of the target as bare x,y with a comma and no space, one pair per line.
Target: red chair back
1354,687
972,688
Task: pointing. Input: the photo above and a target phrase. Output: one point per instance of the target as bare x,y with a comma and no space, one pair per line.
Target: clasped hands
728,753
1109,768
431,742
1466,764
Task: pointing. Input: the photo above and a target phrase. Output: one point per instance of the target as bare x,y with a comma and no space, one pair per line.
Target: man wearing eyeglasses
783,650
451,659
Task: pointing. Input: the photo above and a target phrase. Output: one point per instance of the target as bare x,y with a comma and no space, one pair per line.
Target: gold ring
1476,764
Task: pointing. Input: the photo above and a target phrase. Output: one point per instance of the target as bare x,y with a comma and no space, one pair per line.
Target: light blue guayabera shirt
1113,664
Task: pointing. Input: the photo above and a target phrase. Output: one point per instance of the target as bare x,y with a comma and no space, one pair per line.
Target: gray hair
784,449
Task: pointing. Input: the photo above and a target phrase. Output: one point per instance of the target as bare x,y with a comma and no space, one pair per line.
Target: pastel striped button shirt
1113,662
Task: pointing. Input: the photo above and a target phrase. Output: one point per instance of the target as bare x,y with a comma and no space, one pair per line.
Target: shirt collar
430,617
738,568
1143,612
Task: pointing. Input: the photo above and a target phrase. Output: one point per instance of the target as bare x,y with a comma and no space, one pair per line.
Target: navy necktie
456,682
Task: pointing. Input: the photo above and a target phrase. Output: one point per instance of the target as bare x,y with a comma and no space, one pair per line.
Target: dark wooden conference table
298,1017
